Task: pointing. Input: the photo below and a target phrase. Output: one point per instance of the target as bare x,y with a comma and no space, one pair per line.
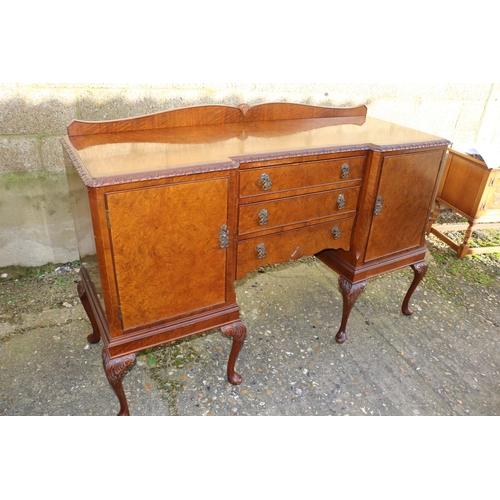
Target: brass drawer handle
378,205
266,182
263,217
345,170
224,236
336,233
261,251
341,202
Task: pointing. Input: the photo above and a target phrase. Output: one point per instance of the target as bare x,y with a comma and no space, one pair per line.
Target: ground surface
443,360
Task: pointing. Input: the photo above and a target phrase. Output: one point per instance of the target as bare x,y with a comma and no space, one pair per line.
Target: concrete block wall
36,227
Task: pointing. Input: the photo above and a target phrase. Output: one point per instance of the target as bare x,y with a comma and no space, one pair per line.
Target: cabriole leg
95,336
238,331
419,271
115,368
350,293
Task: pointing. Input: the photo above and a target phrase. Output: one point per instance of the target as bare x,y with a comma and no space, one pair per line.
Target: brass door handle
261,251
345,170
266,182
336,233
263,217
378,205
341,202
224,236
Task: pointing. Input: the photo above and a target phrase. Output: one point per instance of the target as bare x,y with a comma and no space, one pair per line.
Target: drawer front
303,209
275,179
291,245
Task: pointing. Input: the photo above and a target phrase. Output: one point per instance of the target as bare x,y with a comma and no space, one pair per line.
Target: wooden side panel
168,258
463,183
405,192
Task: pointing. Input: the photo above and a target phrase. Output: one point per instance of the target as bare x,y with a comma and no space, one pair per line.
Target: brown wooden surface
166,251
292,210
116,151
472,190
291,245
161,187
296,176
464,182
407,184
196,116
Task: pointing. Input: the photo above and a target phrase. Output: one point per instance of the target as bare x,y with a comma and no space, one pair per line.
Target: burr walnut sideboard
171,208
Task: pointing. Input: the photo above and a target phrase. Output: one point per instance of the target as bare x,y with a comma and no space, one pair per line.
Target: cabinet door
167,253
403,203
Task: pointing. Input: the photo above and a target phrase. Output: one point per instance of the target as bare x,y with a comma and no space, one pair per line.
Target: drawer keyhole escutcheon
341,202
263,219
224,236
261,251
345,170
266,182
378,205
336,233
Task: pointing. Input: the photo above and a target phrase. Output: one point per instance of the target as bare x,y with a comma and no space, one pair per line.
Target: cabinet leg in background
419,270
95,336
238,331
350,293
115,368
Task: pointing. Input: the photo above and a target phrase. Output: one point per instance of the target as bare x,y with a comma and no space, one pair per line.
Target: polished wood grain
126,150
306,176
172,208
196,116
398,227
291,245
291,211
159,232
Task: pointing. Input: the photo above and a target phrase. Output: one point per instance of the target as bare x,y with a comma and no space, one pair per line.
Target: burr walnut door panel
168,249
403,203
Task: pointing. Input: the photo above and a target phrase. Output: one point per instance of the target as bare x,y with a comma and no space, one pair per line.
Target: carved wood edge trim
299,153
410,145
160,174
77,163
212,114
90,181
338,149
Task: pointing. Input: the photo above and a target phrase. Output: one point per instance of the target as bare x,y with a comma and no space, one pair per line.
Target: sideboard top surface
105,155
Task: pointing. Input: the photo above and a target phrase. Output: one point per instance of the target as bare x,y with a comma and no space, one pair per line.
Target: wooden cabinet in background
170,209
472,190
